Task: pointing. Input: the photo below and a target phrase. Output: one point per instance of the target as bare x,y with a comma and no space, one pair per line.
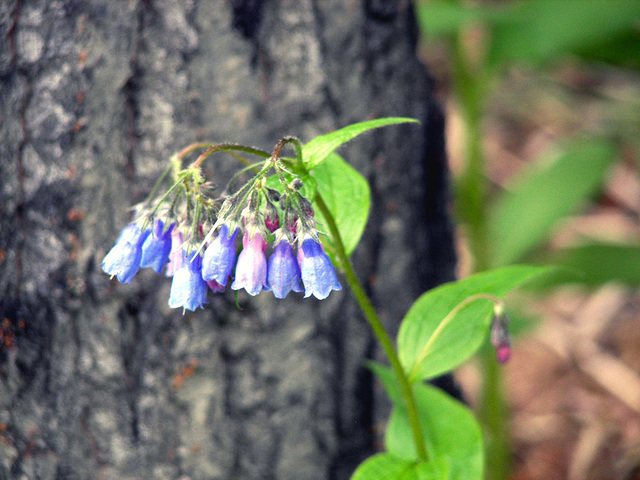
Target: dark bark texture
103,381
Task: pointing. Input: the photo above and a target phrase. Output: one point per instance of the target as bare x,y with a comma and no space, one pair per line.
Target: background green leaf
522,217
541,30
597,263
465,332
318,149
347,196
384,466
623,51
446,18
450,431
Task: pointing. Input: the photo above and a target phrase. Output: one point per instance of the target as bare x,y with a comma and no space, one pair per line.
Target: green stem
155,188
225,147
494,414
368,310
214,147
377,327
472,85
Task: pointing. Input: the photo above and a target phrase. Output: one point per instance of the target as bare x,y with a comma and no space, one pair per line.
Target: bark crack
131,90
21,146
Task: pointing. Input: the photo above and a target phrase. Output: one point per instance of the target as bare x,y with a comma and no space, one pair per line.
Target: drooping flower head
220,256
251,270
175,256
123,260
283,272
317,272
188,289
157,247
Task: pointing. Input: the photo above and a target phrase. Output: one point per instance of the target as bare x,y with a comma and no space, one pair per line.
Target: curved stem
378,329
228,146
214,147
290,139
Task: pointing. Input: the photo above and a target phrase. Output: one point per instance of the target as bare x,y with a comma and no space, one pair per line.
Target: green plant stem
378,329
472,85
493,413
214,147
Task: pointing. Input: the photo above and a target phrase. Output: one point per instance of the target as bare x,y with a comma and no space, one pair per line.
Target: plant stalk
472,85
378,329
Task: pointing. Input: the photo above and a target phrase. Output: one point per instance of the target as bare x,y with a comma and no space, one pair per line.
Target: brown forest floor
573,382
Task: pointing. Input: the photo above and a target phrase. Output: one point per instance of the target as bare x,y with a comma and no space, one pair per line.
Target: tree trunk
103,381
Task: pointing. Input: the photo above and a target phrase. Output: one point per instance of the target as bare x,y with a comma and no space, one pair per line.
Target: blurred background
543,136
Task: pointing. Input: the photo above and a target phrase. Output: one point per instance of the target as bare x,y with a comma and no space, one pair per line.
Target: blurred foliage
485,43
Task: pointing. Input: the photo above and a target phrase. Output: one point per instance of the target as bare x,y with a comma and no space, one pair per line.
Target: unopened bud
503,353
293,224
273,194
307,207
254,201
296,184
283,202
500,338
271,220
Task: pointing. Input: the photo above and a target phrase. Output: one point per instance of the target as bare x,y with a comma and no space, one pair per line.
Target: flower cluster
194,239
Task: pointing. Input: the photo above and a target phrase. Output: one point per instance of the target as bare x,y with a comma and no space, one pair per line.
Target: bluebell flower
251,270
123,260
215,287
283,272
188,289
157,247
220,256
175,256
317,272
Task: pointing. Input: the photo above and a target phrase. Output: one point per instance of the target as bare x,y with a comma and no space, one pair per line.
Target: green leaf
450,432
623,51
347,196
447,18
385,466
388,379
318,149
541,30
524,216
598,263
432,340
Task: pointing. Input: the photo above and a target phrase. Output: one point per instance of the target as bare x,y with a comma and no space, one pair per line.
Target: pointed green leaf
597,263
541,30
438,17
524,216
384,466
318,149
450,432
623,50
347,196
388,380
434,339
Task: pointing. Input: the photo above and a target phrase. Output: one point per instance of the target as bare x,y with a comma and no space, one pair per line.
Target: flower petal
317,272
